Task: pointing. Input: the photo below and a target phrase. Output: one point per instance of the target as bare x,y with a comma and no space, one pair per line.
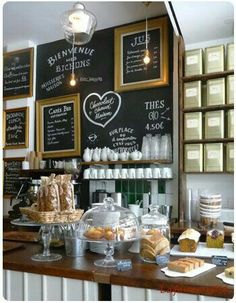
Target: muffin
188,240
215,238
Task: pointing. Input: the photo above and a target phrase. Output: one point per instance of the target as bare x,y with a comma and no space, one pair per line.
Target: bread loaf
188,240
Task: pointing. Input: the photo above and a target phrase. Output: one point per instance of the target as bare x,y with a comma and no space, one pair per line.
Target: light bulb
72,80
146,58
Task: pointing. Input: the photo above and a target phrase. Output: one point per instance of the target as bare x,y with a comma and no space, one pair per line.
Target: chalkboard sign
58,126
93,62
12,167
18,74
16,128
119,121
130,44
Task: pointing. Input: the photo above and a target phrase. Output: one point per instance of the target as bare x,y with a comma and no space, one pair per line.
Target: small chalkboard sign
58,126
130,44
18,74
16,128
12,167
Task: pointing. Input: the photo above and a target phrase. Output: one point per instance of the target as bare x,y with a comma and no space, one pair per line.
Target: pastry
188,240
109,235
94,233
148,254
215,238
229,272
185,264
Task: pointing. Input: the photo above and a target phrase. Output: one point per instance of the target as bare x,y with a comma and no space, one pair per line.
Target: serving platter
189,274
8,246
205,252
21,236
225,279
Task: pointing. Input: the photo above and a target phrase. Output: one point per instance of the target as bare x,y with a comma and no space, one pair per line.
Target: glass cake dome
109,223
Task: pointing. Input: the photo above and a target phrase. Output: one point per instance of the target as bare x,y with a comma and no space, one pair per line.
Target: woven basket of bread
46,217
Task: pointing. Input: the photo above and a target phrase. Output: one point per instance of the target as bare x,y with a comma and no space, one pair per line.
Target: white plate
205,252
189,274
225,279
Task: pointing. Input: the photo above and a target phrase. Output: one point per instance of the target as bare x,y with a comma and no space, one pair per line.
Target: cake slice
229,272
179,266
197,262
188,240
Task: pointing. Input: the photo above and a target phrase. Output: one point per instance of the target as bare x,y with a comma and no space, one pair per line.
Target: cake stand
46,255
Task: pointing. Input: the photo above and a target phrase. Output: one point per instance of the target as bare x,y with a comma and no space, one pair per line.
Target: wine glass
46,255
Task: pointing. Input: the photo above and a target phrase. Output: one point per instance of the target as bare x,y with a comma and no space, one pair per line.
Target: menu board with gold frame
58,126
18,74
16,128
130,71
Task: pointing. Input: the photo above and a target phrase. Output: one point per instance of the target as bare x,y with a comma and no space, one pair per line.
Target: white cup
116,173
93,173
101,173
25,165
139,173
156,172
124,173
147,172
131,173
42,164
166,172
135,209
108,173
87,173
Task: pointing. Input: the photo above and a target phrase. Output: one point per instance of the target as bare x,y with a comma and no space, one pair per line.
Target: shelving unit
202,109
127,162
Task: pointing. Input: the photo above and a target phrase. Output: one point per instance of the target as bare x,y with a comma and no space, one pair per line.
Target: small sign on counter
123,265
220,260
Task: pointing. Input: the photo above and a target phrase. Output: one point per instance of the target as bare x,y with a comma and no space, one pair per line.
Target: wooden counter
142,275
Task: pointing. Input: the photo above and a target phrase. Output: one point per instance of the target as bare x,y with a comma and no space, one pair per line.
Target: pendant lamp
78,24
146,59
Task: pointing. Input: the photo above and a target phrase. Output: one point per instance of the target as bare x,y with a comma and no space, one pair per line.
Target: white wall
16,103
214,183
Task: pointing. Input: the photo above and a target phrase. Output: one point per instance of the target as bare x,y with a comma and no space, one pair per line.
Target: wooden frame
26,137
42,105
20,159
10,56
121,33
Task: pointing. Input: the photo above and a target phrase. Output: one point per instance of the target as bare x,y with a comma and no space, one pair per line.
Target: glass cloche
109,224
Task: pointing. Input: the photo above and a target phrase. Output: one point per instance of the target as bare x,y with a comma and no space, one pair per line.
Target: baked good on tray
188,240
229,272
184,265
215,238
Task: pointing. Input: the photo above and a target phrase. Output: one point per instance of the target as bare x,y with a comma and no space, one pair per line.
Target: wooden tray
7,246
21,236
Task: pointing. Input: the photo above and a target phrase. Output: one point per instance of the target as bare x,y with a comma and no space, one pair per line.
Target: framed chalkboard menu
12,167
130,71
16,128
58,126
18,74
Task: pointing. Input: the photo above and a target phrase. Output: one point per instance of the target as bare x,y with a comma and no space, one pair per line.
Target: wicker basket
45,217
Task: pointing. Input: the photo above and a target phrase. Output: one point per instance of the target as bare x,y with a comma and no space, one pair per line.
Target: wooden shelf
41,172
208,108
127,162
209,172
220,140
128,179
206,77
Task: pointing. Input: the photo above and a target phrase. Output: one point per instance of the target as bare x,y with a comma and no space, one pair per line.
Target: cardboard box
215,92
213,157
214,59
193,64
192,94
193,158
193,126
214,124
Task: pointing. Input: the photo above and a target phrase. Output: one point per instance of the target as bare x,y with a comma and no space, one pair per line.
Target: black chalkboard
12,167
94,66
119,121
131,43
134,70
16,130
18,74
58,126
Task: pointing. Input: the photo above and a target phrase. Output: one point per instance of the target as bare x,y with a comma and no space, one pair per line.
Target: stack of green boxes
209,124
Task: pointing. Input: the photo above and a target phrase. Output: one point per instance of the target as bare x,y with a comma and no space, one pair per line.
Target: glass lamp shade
78,25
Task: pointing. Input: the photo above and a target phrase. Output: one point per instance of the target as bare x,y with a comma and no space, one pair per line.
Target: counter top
142,274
